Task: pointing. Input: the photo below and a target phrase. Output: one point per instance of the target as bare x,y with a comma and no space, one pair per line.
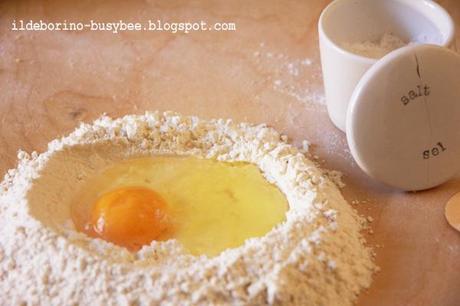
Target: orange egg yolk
130,217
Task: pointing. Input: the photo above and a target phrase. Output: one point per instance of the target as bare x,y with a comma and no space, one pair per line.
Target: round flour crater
316,256
223,203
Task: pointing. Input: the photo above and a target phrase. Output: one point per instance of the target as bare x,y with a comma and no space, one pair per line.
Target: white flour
315,257
298,78
376,49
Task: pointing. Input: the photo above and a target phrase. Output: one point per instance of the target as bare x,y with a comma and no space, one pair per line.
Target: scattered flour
306,145
378,48
292,77
316,257
336,177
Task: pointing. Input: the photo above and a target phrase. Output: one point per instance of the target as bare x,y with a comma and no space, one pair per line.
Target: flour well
316,257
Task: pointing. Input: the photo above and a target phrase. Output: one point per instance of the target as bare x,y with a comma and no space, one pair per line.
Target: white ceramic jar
354,21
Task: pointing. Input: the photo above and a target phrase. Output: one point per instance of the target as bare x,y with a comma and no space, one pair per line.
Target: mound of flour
316,257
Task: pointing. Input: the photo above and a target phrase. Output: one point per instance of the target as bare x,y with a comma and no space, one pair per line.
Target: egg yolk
130,217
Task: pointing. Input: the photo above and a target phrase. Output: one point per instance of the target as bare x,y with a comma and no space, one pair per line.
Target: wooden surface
266,71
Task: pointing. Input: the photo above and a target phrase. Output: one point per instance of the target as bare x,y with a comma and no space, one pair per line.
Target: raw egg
206,205
130,217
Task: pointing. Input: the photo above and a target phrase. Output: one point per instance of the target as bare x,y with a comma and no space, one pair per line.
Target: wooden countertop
267,71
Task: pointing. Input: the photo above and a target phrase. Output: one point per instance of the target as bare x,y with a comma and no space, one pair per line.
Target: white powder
333,175
293,77
377,48
336,177
315,257
305,147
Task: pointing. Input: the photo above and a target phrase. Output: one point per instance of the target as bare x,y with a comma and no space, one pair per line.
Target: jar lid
403,121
